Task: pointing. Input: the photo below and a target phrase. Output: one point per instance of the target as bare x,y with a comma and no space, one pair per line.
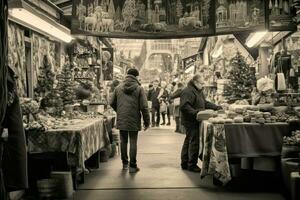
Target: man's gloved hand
219,108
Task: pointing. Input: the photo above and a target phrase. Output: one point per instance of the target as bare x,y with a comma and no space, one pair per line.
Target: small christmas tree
242,79
129,11
118,15
45,79
111,9
66,85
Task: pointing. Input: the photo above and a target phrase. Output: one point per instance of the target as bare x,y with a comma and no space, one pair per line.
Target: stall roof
242,38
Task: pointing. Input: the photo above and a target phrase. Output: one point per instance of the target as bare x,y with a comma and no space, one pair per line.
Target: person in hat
130,103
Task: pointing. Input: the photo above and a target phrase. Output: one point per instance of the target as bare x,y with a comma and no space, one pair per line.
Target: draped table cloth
219,142
82,139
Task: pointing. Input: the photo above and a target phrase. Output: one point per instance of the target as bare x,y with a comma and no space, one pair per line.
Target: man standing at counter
192,101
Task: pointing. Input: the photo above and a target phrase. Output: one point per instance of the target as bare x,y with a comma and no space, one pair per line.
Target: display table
82,139
220,142
68,147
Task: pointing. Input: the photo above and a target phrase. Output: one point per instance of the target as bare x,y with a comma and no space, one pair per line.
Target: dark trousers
190,148
133,136
155,112
177,122
169,115
3,192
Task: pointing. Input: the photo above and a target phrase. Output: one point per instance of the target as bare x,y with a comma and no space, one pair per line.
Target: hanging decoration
281,14
143,18
236,16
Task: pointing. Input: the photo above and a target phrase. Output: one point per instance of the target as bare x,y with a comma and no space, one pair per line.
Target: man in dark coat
153,97
192,101
130,102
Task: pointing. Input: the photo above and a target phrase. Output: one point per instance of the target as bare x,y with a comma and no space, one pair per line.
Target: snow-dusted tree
111,9
129,11
118,14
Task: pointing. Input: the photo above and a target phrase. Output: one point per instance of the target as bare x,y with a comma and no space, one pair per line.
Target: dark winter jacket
153,97
14,160
192,101
130,102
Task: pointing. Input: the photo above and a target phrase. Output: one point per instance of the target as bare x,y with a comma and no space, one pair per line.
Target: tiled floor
160,176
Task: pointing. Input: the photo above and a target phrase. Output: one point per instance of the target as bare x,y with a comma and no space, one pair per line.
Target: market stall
260,111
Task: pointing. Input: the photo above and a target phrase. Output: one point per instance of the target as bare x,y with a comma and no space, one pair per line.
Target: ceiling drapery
156,19
143,18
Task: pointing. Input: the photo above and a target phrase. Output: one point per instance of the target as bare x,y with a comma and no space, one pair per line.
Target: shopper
192,101
170,107
163,100
153,97
176,99
129,101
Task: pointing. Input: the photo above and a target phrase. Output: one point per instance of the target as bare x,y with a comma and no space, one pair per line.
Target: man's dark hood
130,84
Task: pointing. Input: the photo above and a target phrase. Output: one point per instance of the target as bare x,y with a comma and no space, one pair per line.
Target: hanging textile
16,56
143,18
41,47
3,61
3,86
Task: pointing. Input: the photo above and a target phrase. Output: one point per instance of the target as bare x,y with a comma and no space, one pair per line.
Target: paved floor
160,176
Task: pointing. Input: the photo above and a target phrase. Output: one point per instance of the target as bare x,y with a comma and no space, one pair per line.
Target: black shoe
216,182
163,124
134,169
195,169
125,166
168,124
153,125
157,125
184,167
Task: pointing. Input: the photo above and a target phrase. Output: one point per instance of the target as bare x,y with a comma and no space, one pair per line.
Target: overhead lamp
27,16
255,38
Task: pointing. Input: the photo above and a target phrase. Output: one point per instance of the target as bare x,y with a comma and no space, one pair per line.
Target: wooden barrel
289,165
290,151
113,150
46,188
64,187
104,155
